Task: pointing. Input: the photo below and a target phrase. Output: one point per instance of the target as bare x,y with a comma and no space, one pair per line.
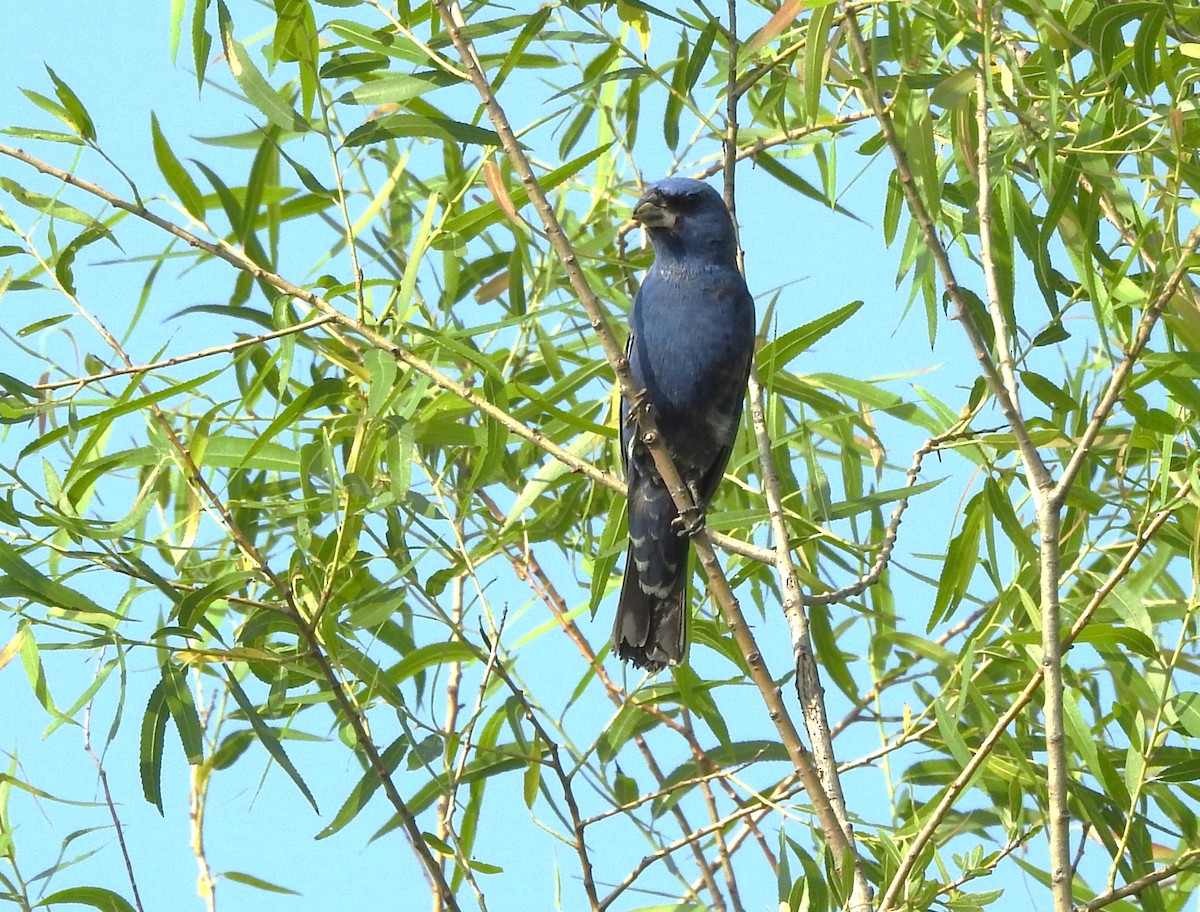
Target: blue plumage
690,344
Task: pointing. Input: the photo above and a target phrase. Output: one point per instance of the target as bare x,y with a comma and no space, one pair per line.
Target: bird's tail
651,630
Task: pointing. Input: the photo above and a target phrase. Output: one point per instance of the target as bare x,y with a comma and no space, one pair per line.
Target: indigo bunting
691,339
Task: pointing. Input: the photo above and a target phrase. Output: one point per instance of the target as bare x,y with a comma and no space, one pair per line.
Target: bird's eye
683,205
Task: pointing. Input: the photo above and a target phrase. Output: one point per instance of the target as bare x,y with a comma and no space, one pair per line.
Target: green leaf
701,53
23,580
532,782
847,508
675,98
192,606
66,258
825,645
948,728
397,88
1115,635
80,120
49,206
43,135
432,655
779,352
123,408
258,91
1050,393
722,757
267,737
1021,537
51,107
258,883
182,707
790,179
816,58
1185,707
420,246
176,175
366,786
201,42
378,41
45,323
483,867
96,897
959,565
176,27
320,394
1185,771
153,738
954,88
392,126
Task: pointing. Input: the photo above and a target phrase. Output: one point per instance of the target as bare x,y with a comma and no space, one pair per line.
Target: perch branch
718,584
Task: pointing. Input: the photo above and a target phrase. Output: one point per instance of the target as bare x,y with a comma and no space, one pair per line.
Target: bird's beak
652,212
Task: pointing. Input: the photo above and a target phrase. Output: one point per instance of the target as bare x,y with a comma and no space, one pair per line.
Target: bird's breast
693,331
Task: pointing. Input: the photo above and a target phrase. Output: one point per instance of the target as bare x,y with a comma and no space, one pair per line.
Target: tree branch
223,516
1134,887
1034,466
183,359
1117,382
718,584
938,814
372,336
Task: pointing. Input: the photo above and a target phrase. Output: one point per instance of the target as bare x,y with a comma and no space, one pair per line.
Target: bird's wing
723,409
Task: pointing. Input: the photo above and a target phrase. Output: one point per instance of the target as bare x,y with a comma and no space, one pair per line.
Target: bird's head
687,219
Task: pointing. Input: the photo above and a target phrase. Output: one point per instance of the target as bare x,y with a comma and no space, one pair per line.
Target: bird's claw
687,527
637,404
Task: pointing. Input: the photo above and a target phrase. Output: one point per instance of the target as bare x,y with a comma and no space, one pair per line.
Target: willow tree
356,529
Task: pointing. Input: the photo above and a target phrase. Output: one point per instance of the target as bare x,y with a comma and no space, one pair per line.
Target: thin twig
183,359
555,763
668,850
664,792
111,805
1134,887
198,782
446,803
761,144
1014,843
723,858
888,544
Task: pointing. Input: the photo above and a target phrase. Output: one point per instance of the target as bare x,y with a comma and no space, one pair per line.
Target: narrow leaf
96,897
259,92
154,731
268,739
79,117
176,175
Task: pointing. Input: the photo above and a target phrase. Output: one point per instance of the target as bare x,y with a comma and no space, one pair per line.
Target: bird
691,341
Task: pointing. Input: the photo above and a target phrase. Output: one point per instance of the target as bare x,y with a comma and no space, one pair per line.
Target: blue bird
691,339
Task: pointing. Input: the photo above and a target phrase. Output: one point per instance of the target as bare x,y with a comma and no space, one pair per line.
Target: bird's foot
637,404
689,522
